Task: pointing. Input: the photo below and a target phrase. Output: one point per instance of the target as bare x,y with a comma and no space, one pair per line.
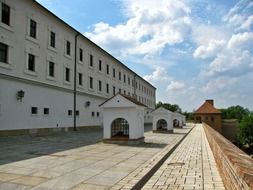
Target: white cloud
240,39
151,26
159,74
210,50
218,84
176,86
247,23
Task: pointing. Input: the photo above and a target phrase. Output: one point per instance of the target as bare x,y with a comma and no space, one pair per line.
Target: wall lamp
87,104
20,95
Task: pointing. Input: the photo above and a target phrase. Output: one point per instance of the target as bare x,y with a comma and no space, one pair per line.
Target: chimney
210,101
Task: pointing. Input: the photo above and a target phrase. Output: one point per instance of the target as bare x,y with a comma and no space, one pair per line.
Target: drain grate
176,164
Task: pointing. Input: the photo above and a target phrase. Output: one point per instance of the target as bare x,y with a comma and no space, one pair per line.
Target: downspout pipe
76,36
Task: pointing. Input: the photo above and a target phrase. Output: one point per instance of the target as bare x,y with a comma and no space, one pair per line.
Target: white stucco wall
162,113
17,115
59,97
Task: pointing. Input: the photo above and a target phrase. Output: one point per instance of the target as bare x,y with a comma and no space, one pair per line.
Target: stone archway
161,125
176,123
120,128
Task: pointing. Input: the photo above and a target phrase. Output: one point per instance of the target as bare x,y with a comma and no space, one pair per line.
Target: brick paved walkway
190,166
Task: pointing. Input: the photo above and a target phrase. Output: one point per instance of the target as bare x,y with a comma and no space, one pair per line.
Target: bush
245,130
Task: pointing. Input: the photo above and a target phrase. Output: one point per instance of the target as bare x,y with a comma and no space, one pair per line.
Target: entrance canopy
123,118
162,120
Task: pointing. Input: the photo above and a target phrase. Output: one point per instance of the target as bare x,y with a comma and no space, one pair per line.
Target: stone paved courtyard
79,160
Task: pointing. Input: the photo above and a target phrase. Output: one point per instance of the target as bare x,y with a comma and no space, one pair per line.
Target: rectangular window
97,114
91,82
100,65
81,54
46,111
34,110
114,90
77,113
100,85
107,69
31,62
68,47
80,79
69,112
52,39
91,60
51,68
119,90
119,75
33,28
67,74
93,114
124,78
113,73
124,92
107,88
3,53
5,14
128,80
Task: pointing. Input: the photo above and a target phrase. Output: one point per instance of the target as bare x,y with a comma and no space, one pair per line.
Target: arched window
161,124
120,128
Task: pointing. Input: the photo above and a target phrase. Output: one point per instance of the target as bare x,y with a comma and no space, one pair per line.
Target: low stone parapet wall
235,167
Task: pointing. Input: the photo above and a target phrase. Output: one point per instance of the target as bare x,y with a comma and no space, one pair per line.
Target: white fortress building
52,76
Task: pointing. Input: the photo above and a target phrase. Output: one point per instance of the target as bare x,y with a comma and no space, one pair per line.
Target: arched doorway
175,123
161,125
120,128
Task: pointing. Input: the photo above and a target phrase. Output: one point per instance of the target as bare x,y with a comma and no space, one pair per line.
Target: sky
190,50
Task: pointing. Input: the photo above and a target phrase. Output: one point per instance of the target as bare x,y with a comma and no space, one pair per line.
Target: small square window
69,112
46,111
34,110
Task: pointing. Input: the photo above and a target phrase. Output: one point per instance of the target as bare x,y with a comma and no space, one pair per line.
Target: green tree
171,107
245,130
234,112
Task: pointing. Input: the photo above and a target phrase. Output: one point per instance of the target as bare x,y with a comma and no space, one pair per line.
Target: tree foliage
245,130
171,107
234,112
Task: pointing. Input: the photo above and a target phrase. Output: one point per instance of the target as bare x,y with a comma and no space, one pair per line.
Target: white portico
162,120
178,119
123,118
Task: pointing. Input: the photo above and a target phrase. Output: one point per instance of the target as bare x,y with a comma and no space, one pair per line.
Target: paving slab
70,161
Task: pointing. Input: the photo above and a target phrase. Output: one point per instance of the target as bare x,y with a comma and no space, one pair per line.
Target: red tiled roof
206,108
131,99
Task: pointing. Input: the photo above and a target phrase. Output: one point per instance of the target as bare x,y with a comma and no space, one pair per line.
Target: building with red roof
208,114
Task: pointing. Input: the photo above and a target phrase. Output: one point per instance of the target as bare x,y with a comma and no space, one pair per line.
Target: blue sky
191,50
